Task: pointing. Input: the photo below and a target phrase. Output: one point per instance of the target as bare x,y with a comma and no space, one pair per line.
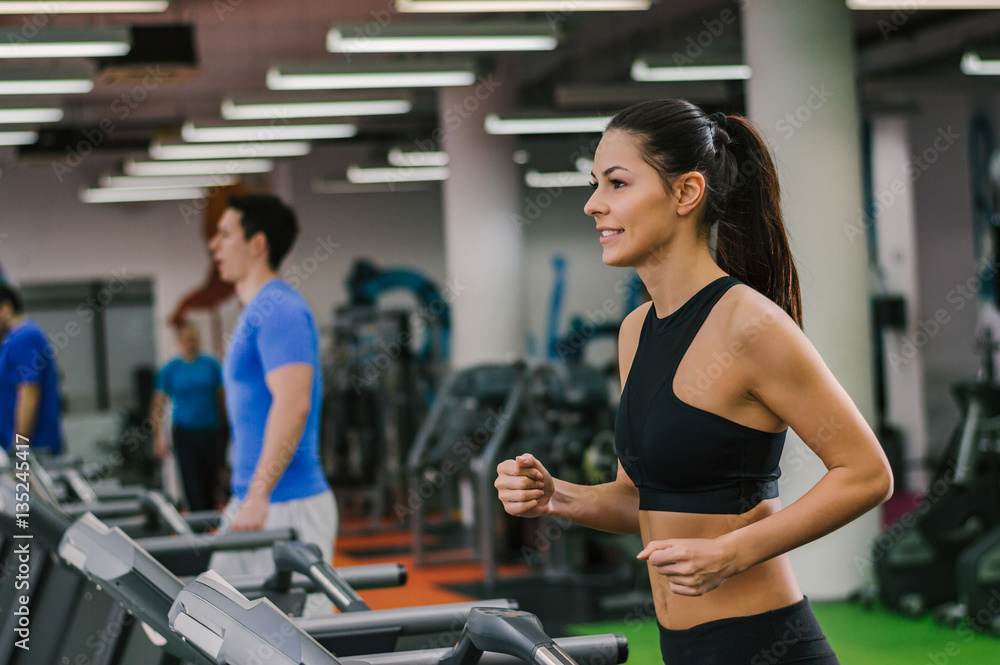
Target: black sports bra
682,458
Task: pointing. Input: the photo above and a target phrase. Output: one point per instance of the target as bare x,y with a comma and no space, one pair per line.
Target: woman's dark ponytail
751,243
742,197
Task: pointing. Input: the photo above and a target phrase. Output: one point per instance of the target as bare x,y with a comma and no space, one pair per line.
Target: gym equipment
477,413
212,615
379,384
915,559
978,578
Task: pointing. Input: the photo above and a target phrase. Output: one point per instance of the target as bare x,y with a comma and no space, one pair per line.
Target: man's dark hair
264,213
9,295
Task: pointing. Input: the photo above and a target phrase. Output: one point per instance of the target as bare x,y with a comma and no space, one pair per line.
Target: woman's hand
524,486
692,566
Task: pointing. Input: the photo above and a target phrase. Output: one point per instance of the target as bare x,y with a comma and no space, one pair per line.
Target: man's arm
157,414
291,399
29,396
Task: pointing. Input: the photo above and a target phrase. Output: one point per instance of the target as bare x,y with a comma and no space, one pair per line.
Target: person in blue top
193,384
29,387
274,390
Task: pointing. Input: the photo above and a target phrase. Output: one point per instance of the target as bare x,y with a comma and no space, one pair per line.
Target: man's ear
258,244
689,190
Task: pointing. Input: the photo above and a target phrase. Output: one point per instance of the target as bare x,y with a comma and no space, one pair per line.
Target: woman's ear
689,189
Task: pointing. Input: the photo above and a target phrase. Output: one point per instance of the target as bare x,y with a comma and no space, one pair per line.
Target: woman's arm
528,490
787,375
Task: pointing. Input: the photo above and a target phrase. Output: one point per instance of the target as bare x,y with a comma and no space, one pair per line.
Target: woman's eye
617,183
593,185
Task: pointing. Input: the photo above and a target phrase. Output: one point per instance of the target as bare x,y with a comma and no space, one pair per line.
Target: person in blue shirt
193,384
274,390
29,387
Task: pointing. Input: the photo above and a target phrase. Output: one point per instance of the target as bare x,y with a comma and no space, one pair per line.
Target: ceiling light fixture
911,5
45,7
273,132
441,38
134,194
464,6
171,151
642,70
45,81
30,115
66,43
18,138
571,125
556,179
358,175
261,108
332,76
199,167
167,182
402,159
974,64
323,186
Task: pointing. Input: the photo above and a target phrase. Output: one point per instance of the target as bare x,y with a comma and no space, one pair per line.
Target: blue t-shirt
27,357
275,329
193,388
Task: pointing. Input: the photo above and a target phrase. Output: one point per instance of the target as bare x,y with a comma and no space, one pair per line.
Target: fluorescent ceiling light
974,65
199,167
273,132
131,194
45,7
45,81
66,43
463,6
358,175
643,71
376,75
18,138
322,186
26,115
911,5
496,125
228,150
167,182
417,158
556,179
236,109
423,38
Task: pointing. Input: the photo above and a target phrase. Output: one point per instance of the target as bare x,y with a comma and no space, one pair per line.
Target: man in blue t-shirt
193,384
274,389
29,387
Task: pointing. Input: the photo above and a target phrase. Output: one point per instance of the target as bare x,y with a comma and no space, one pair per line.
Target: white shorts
314,520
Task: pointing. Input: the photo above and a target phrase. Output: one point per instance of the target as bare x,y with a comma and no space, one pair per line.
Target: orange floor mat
425,585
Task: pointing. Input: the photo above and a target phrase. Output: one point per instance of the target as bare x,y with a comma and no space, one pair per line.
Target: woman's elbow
880,484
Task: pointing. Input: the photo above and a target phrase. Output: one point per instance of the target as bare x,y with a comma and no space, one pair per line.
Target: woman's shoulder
749,314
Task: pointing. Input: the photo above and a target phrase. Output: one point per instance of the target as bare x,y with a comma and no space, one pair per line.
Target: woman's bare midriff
766,586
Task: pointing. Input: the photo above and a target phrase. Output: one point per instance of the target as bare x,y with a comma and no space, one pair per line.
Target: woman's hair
742,197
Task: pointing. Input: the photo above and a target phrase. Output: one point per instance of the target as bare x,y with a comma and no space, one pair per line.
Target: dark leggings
786,635
201,455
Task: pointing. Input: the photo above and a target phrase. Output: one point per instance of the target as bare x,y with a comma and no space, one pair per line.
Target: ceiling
237,40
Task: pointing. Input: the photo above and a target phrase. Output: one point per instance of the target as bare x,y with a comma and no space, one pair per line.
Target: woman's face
635,215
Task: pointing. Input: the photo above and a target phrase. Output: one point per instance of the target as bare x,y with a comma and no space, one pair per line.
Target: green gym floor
859,636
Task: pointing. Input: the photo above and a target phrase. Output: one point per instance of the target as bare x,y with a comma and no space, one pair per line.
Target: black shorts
786,635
